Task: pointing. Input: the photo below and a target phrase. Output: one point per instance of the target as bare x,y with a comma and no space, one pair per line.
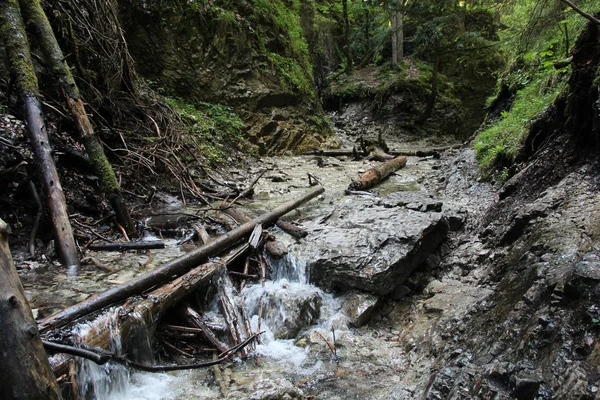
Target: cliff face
252,56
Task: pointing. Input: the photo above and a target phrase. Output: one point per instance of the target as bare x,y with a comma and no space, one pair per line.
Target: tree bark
397,20
346,34
230,310
433,96
109,184
377,174
172,268
21,66
25,372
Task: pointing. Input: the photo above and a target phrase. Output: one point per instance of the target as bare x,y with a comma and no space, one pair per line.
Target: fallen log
171,268
435,152
109,185
147,245
291,229
152,307
377,174
21,66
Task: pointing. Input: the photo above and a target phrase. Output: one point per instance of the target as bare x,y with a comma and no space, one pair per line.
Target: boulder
374,245
288,308
359,307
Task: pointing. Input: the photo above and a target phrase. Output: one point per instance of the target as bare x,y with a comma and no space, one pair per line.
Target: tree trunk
397,20
346,32
377,174
433,96
25,372
172,268
21,66
109,184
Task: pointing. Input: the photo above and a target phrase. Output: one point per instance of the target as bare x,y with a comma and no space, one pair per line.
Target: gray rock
359,307
589,267
373,247
287,309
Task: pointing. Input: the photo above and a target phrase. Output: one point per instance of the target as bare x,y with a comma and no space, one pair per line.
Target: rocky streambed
432,285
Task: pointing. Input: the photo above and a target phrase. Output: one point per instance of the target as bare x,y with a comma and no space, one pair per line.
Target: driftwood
26,373
147,245
291,229
152,307
376,174
231,311
109,184
21,67
170,269
194,319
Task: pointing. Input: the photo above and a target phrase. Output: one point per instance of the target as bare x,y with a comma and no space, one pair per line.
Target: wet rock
276,249
589,267
413,200
270,389
527,385
373,247
286,311
359,307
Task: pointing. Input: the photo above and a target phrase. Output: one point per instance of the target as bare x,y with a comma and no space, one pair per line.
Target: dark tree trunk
346,30
109,184
25,372
433,96
21,66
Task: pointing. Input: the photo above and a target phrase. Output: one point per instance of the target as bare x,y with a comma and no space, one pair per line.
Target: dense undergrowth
536,46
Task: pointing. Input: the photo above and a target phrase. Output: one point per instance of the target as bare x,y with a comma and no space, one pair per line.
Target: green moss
213,128
17,48
498,146
292,76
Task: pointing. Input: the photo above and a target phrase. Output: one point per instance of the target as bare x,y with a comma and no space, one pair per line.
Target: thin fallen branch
152,244
102,358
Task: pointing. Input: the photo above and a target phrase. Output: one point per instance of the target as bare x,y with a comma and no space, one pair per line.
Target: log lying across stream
172,268
376,174
152,307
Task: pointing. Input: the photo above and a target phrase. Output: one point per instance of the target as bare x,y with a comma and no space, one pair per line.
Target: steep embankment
251,56
537,249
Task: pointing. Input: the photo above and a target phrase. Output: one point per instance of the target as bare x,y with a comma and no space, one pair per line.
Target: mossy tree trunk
25,373
36,17
21,66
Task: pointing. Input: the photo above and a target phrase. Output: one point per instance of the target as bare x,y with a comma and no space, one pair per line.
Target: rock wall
251,56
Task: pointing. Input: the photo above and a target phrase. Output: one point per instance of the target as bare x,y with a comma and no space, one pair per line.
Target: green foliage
498,146
291,74
535,45
213,128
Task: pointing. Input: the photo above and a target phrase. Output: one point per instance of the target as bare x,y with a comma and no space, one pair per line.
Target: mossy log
36,17
173,268
21,66
25,372
377,174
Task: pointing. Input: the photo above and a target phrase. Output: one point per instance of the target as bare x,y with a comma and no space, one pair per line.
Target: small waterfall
111,380
287,305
